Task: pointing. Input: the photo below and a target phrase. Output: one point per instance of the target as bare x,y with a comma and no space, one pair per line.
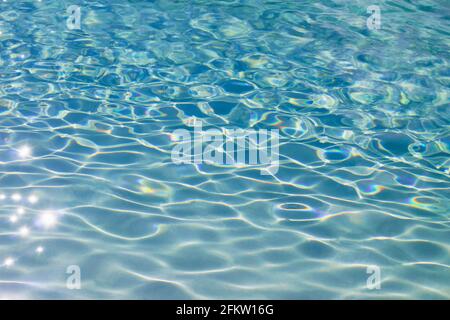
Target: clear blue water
86,176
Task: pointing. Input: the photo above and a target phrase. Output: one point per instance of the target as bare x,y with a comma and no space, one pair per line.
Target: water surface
86,118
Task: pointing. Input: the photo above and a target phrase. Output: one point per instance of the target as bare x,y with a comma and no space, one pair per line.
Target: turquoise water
87,180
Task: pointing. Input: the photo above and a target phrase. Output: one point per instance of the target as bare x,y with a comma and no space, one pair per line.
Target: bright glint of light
24,151
13,218
33,199
47,219
20,211
2,196
16,197
39,250
8,262
24,231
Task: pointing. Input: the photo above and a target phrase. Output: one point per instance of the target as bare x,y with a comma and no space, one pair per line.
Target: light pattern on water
86,177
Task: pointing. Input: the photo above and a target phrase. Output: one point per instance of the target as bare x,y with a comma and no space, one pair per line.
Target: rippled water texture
86,177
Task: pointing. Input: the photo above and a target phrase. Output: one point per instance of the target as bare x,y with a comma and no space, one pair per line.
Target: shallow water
86,118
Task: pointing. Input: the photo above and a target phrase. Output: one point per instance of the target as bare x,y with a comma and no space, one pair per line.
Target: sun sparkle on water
16,197
9,262
24,151
47,219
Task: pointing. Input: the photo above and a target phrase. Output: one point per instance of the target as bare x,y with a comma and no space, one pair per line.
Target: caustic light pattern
90,99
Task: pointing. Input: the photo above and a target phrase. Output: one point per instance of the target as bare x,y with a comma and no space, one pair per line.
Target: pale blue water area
86,123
